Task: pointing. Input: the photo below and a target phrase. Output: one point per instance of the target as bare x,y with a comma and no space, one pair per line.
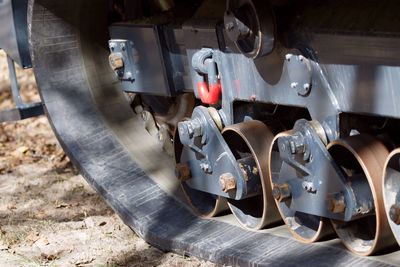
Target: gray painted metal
16,114
209,157
152,66
315,179
22,110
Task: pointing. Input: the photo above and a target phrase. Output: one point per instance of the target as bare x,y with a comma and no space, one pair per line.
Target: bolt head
294,85
282,147
394,213
205,167
281,192
183,129
337,204
230,26
288,57
227,182
182,172
145,115
276,192
116,61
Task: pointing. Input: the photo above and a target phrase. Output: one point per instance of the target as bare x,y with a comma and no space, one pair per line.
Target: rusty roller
363,157
304,227
250,142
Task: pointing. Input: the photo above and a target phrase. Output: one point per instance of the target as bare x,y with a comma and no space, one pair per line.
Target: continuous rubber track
102,136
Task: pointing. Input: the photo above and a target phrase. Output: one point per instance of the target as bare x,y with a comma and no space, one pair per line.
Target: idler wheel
304,227
363,157
251,140
391,191
202,203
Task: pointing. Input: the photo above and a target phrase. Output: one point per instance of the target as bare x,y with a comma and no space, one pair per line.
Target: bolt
227,182
230,26
292,146
205,167
282,147
305,90
123,47
288,57
139,109
112,46
191,128
337,203
183,129
281,192
294,85
116,61
236,28
129,76
296,143
309,187
182,172
145,115
394,213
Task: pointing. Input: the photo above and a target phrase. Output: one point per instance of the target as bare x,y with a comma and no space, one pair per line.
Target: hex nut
116,61
394,213
227,182
337,204
281,192
182,172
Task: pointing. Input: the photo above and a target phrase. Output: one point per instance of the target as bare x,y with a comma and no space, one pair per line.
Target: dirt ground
49,216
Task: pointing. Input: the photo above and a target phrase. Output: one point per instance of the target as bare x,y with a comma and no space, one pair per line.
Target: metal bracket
317,184
213,167
22,110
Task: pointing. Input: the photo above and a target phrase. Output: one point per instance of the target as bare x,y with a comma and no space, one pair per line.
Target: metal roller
362,159
304,227
391,191
250,142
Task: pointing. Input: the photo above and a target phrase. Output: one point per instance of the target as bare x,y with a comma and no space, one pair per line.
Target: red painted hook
210,95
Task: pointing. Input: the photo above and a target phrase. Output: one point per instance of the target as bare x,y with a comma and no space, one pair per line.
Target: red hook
210,95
